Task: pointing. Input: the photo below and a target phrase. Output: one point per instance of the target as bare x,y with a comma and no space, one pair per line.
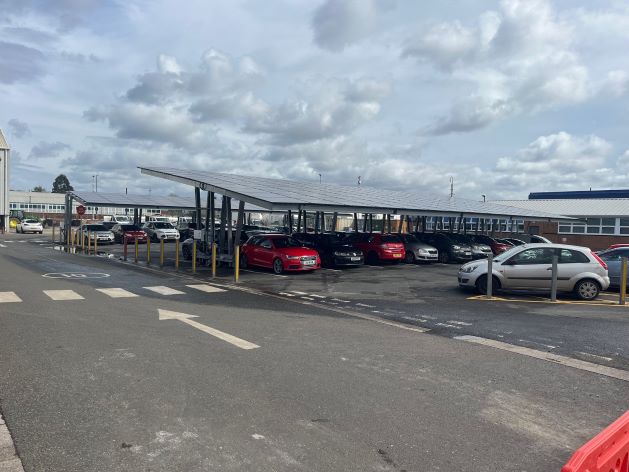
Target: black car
186,230
333,250
449,250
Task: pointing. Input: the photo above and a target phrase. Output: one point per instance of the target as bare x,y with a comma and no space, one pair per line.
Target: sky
504,97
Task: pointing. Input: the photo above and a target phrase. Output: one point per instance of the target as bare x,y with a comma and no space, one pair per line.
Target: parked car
619,245
418,251
160,230
449,250
96,232
186,229
109,224
528,267
122,219
536,238
279,252
613,259
378,247
479,250
333,249
512,241
496,247
131,232
29,226
203,250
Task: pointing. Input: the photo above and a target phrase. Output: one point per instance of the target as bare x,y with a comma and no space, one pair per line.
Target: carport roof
279,194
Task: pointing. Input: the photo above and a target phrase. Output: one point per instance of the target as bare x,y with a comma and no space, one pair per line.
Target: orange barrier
608,451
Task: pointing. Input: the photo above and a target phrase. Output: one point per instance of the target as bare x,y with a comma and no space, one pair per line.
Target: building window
594,226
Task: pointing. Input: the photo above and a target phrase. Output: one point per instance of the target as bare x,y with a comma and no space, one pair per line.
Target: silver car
529,267
96,232
613,259
418,251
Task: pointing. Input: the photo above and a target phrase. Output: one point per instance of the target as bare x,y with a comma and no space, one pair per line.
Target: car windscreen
160,225
96,228
31,221
286,242
130,228
508,253
390,238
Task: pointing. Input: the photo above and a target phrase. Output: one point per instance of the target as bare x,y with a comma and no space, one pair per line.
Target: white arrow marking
173,315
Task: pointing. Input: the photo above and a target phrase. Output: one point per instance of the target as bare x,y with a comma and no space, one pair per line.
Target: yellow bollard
53,233
194,256
89,242
68,238
623,281
236,263
95,244
137,250
82,241
148,250
177,254
161,252
213,259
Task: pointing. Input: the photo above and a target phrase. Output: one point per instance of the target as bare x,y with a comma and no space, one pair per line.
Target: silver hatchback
529,267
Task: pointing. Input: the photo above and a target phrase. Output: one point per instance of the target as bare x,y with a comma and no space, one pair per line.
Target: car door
571,262
529,269
265,253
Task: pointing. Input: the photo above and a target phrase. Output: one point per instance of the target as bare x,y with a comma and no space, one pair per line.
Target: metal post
208,209
125,247
95,244
213,260
490,275
176,254
239,222
355,222
371,222
289,218
623,280
161,252
89,241
335,218
194,256
299,220
197,206
236,263
365,222
137,249
316,222
53,233
148,250
82,241
230,228
212,223
553,282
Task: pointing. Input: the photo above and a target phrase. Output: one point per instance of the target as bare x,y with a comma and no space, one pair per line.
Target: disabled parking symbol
75,275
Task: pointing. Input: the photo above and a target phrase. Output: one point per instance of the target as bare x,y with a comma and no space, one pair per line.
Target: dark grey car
418,251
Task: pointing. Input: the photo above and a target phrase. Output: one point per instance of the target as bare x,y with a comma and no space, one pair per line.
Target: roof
574,207
3,142
579,194
279,194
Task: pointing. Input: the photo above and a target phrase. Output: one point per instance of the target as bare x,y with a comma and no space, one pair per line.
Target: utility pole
451,187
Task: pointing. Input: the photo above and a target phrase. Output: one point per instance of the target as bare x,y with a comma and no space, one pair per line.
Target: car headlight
469,269
456,247
292,257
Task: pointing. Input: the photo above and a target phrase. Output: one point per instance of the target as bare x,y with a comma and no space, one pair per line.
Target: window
596,226
568,256
266,244
534,256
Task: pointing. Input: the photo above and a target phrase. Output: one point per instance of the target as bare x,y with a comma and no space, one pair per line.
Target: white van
122,219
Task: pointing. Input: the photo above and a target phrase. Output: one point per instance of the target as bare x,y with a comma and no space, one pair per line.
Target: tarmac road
93,380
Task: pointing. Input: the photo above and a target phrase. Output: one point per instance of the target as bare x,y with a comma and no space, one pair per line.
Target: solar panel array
278,194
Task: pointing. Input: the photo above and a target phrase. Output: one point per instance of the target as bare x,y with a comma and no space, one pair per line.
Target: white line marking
339,300
364,305
316,296
173,315
9,297
286,294
298,293
462,323
22,241
206,288
446,325
2,245
608,359
308,298
162,290
549,357
59,295
116,292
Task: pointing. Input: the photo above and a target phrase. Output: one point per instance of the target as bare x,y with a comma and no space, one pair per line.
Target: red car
378,247
132,233
278,252
496,246
614,246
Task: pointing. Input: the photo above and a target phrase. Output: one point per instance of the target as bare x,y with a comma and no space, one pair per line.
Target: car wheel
481,284
278,267
244,263
587,289
409,258
372,258
41,232
444,257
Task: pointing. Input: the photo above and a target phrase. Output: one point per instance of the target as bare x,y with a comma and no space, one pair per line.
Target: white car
529,267
29,226
98,233
161,230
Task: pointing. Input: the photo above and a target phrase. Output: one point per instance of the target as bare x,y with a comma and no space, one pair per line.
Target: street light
484,197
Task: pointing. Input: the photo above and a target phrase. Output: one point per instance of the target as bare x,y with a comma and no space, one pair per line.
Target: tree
39,188
61,184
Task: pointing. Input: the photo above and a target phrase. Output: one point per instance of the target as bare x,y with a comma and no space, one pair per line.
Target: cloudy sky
506,97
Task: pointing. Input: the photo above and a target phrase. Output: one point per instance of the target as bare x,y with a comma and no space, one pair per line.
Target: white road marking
9,297
22,241
59,295
539,344
315,295
308,298
116,292
364,305
286,294
462,323
339,300
2,245
550,357
162,290
608,359
206,288
298,293
257,436
183,317
446,325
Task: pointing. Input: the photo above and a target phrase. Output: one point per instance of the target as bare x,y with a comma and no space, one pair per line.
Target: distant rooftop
579,194
3,142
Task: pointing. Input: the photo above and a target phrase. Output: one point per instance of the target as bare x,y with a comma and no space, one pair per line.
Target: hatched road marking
2,245
549,357
9,297
206,288
59,295
162,290
116,292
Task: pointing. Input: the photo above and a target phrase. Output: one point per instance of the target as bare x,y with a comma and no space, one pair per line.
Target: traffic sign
80,210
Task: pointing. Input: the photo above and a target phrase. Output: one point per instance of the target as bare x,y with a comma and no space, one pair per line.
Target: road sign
80,210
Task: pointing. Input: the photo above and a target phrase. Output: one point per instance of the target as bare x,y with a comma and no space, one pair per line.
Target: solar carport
298,197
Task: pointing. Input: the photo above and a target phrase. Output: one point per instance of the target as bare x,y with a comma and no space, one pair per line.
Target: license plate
309,262
397,255
354,258
468,253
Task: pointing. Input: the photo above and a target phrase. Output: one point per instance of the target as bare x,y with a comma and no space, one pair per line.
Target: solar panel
279,194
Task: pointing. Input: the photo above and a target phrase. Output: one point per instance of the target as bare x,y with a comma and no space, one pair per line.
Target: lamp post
484,197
